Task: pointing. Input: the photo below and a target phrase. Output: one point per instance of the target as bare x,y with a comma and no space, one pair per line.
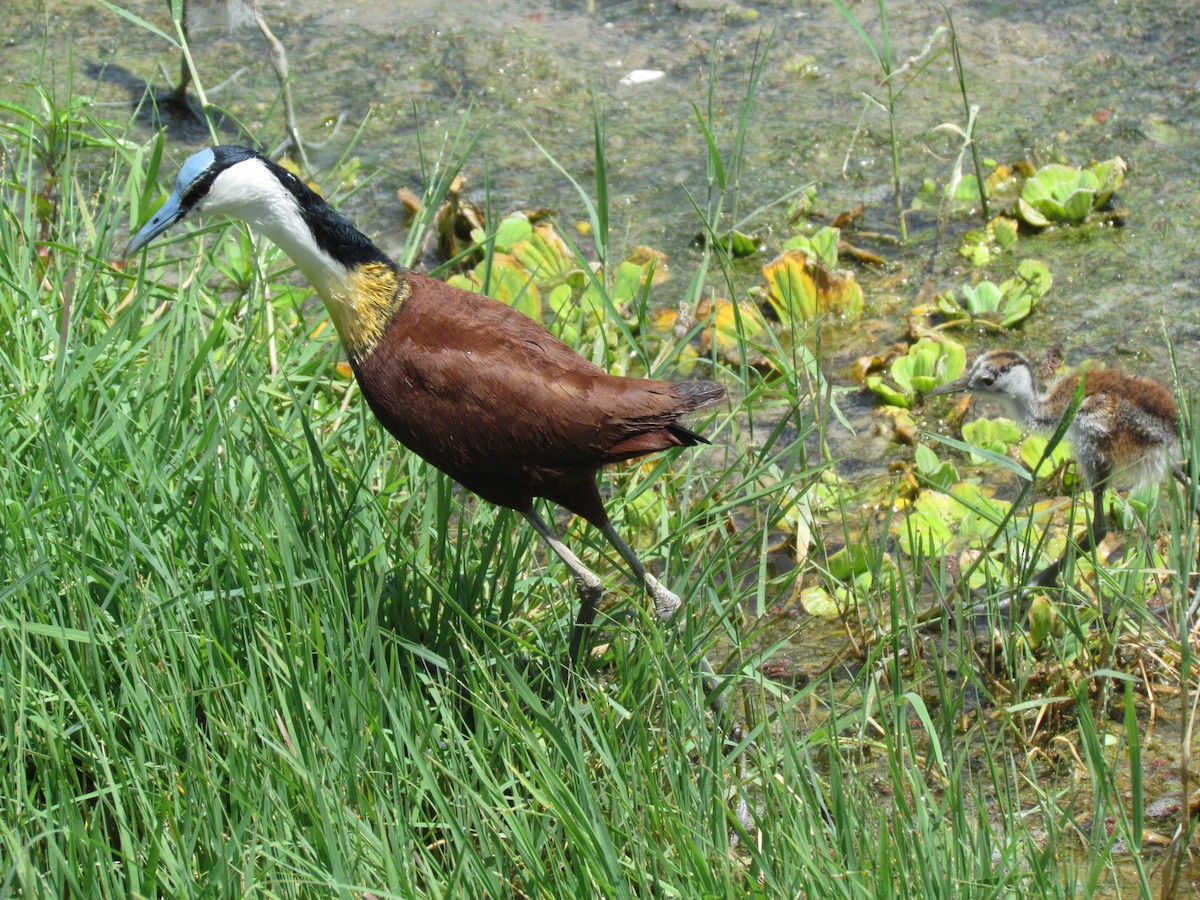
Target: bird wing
475,386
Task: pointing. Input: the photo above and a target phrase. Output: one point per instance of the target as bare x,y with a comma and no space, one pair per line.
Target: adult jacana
474,387
1124,431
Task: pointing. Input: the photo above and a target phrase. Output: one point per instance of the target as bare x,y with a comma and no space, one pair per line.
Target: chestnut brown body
506,409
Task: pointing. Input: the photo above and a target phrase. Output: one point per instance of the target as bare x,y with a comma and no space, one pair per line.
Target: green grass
250,646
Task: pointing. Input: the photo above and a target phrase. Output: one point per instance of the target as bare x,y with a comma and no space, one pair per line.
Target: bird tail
661,431
699,394
694,395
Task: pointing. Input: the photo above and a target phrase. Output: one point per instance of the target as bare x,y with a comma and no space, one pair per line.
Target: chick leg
1048,577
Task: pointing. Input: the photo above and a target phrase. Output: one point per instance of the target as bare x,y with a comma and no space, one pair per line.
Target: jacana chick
474,387
1125,430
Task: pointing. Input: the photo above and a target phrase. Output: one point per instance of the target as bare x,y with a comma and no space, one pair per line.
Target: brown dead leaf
849,217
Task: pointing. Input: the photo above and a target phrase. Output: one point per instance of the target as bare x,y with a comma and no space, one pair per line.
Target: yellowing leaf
545,254
800,288
645,256
663,319
731,330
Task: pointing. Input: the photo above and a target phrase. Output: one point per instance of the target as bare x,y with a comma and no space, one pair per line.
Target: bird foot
666,603
589,589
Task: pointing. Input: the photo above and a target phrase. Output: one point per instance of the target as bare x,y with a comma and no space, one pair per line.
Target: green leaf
851,560
996,435
985,297
817,601
981,515
930,362
1005,232
630,276
1111,175
1042,616
1058,193
740,245
1033,448
887,393
823,245
511,231
936,472
925,530
999,459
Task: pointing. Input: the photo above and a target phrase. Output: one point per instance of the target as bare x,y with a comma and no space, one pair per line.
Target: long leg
587,583
666,604
1099,520
591,589
1048,577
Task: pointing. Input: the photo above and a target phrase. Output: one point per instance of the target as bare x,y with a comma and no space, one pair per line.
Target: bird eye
987,380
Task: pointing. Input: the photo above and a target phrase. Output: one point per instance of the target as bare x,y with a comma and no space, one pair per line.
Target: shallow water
1071,80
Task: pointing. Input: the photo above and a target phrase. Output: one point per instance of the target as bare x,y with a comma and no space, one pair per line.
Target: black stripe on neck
333,233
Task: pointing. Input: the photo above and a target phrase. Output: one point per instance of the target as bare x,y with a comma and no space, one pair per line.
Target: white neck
1020,408
358,299
251,193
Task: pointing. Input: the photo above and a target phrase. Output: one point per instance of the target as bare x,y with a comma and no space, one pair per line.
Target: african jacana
1124,430
472,386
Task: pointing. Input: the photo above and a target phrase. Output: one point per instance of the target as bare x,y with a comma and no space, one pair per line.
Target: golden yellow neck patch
361,302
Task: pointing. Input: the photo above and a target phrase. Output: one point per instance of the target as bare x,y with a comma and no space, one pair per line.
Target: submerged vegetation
249,645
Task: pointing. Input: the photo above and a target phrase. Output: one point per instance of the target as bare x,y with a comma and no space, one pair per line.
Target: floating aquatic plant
978,514
739,245
1043,616
505,279
1067,194
995,435
1004,304
925,530
539,248
818,601
1033,454
532,268
851,560
930,362
850,574
800,288
982,245
736,332
934,471
544,253
962,518
822,245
